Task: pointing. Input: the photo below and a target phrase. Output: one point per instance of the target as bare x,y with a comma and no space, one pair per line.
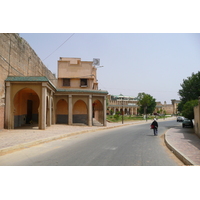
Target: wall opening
98,111
80,112
62,112
26,104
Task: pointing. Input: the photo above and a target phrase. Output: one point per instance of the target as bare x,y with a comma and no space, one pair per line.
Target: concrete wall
75,70
17,58
197,120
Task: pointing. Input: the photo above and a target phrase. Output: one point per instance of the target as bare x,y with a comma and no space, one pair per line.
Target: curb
177,153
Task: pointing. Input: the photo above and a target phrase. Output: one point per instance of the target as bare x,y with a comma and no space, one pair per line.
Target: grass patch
118,118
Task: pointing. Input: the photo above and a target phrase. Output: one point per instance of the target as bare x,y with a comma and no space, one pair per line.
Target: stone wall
17,58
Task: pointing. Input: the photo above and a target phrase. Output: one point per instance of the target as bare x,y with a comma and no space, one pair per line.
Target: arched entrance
98,111
80,112
62,112
26,104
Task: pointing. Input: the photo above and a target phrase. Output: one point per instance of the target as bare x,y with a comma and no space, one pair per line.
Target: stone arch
62,112
80,112
26,103
98,111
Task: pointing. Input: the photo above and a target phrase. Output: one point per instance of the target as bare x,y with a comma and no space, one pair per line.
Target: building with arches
75,100
128,105
31,94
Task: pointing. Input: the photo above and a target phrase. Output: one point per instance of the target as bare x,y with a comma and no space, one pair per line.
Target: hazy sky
154,63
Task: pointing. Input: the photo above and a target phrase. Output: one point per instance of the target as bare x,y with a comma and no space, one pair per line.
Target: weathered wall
197,120
17,58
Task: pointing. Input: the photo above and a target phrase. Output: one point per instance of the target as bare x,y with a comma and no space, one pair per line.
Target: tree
146,102
188,109
190,89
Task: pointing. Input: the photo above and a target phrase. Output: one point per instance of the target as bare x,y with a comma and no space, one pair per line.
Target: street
133,145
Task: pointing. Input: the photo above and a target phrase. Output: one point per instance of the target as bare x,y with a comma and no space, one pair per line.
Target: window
83,82
66,82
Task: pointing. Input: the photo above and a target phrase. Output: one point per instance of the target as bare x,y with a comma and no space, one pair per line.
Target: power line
58,47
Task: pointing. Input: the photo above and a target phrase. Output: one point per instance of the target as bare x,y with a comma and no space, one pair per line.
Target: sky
153,63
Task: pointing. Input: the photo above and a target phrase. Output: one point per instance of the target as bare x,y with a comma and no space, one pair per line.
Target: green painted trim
82,91
27,78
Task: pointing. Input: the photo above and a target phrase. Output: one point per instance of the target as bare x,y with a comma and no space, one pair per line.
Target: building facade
124,104
128,105
31,94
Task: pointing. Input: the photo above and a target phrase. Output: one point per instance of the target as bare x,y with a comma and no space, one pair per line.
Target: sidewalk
182,141
185,144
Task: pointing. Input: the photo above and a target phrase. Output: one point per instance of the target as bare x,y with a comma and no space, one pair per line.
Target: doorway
29,111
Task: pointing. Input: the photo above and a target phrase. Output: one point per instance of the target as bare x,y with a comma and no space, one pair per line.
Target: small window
66,82
83,82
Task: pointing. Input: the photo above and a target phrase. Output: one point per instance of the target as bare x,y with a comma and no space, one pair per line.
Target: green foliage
116,116
180,106
190,88
190,91
146,101
111,112
111,118
188,109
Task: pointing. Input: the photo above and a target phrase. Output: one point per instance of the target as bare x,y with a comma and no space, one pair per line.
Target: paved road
125,146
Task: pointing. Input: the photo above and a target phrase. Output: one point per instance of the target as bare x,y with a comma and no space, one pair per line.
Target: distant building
170,109
128,105
119,103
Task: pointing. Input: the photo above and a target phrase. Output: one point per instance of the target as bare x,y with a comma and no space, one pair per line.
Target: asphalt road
133,145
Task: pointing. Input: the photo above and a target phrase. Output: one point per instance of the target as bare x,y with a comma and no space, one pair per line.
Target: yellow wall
20,101
80,107
62,107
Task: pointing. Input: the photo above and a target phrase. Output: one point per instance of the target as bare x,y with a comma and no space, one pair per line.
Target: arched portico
26,103
80,112
62,112
28,100
98,111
